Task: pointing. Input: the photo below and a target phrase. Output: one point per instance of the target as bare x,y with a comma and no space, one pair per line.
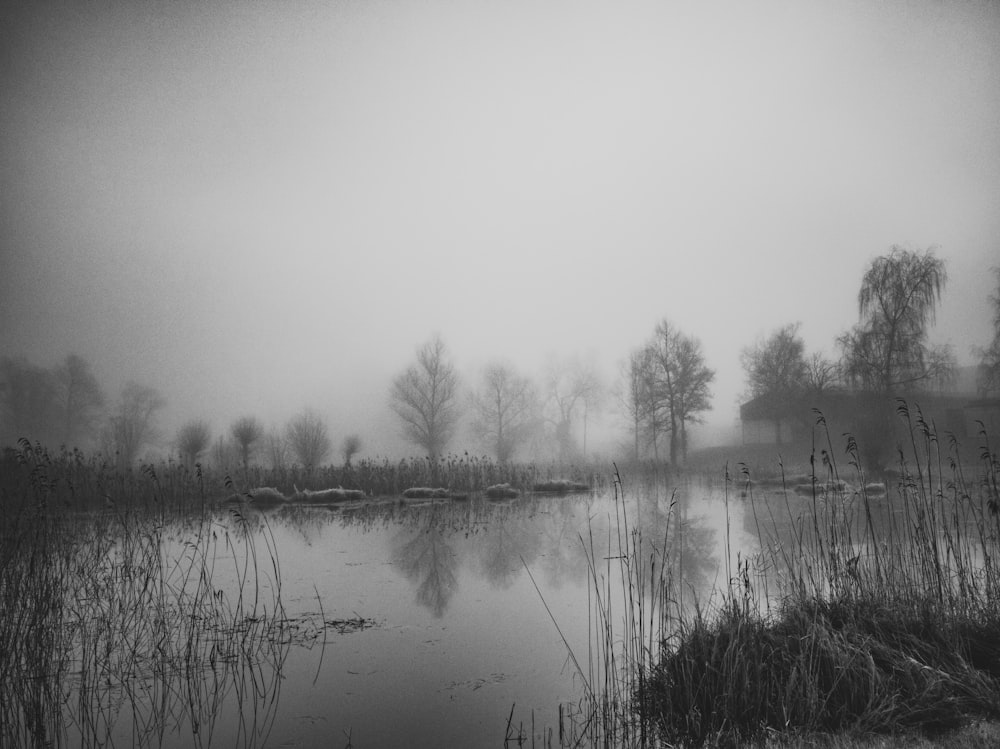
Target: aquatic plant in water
120,628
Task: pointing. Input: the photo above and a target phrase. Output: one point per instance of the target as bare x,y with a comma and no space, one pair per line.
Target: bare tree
81,400
821,374
308,439
350,447
776,365
424,398
682,383
941,367
57,406
193,438
570,386
224,454
276,445
887,351
776,369
246,432
132,425
505,408
28,402
635,395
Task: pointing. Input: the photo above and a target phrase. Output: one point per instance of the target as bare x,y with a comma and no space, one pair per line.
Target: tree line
66,406
886,355
663,389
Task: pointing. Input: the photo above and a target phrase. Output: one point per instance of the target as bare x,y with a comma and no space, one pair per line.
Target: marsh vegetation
638,607
862,611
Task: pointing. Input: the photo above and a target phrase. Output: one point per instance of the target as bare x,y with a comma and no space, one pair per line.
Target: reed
115,630
863,612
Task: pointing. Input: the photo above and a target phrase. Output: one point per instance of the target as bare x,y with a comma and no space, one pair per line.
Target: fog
256,208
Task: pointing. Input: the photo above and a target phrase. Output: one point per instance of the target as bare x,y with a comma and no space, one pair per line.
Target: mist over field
257,209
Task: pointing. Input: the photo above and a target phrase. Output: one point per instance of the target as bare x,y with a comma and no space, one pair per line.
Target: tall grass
458,473
134,622
861,613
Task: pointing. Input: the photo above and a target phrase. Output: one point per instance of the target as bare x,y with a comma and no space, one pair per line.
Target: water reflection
509,537
693,545
434,542
447,588
429,561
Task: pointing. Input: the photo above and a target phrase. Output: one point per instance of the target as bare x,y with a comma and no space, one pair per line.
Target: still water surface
457,640
461,635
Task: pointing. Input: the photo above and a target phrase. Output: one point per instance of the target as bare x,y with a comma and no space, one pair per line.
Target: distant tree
132,424
776,365
682,389
424,397
308,439
28,402
887,351
246,433
350,447
570,385
224,454
635,395
505,410
80,400
821,374
193,439
988,381
276,445
886,354
941,367
776,368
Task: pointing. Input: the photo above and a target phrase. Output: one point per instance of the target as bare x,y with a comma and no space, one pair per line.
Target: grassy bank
875,615
72,480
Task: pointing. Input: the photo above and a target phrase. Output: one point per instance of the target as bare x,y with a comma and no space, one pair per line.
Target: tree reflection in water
427,559
433,542
510,535
692,548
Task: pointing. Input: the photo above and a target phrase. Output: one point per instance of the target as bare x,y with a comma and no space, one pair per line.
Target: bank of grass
77,481
861,633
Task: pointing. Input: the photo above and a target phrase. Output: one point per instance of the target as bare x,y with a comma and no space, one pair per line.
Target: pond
462,641
383,623
395,622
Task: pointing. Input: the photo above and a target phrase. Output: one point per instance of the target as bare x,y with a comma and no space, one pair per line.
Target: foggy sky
260,207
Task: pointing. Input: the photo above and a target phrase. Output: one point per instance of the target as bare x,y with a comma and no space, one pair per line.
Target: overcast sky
258,207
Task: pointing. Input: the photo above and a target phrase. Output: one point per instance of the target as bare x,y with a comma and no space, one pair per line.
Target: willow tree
247,433
424,397
887,351
308,439
886,354
193,439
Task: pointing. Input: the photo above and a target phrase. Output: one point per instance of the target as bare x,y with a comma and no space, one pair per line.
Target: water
461,638
450,639
457,641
